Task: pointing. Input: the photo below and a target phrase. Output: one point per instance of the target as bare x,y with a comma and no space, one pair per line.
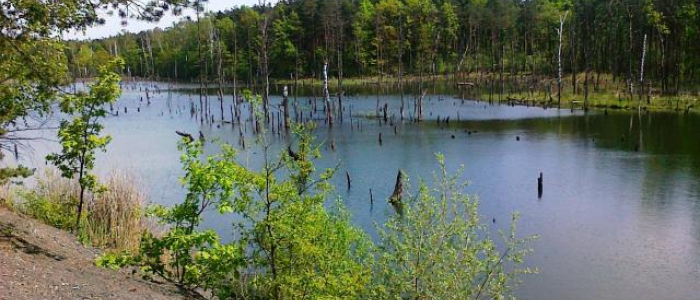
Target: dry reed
114,215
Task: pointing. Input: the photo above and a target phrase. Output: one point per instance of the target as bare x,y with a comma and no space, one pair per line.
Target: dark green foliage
33,61
435,38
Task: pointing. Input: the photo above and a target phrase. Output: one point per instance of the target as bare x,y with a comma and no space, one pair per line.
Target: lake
619,217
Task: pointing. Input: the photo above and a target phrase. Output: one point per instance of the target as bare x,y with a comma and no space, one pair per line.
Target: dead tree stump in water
285,105
386,118
419,108
396,196
347,176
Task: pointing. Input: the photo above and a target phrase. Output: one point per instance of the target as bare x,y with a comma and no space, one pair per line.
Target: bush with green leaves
210,183
437,248
288,245
52,200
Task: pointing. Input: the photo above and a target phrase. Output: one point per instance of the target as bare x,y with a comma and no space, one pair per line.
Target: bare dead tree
326,95
560,31
641,69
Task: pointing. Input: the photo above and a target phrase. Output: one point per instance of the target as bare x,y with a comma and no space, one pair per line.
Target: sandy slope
41,262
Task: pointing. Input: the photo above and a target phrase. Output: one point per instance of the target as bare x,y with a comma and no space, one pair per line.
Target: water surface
620,213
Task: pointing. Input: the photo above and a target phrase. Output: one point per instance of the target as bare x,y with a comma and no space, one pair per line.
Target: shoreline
607,94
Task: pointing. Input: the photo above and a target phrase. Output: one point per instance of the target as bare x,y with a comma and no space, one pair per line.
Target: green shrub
437,248
289,245
184,253
52,201
304,249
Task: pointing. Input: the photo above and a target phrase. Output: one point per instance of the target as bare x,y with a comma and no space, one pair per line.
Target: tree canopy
384,37
33,60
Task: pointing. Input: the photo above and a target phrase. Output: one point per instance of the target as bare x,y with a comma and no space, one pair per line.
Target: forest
646,46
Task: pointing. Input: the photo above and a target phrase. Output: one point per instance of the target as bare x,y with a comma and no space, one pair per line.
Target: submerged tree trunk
233,73
419,107
339,48
199,69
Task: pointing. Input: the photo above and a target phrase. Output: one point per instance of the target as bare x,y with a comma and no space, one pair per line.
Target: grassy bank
600,100
114,215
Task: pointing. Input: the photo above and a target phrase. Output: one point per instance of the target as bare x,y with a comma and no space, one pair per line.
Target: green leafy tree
288,245
305,250
362,31
284,29
32,70
386,41
421,19
450,26
34,63
80,137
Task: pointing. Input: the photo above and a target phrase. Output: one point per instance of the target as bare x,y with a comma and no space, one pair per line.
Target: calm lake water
620,213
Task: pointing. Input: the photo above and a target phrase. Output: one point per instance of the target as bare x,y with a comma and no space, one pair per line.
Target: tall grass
114,219
114,215
5,195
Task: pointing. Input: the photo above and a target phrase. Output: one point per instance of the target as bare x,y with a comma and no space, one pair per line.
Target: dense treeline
638,42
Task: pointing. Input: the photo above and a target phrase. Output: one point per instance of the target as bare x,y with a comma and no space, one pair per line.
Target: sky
113,24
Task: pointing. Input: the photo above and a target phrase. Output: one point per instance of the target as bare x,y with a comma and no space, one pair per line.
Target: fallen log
185,135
